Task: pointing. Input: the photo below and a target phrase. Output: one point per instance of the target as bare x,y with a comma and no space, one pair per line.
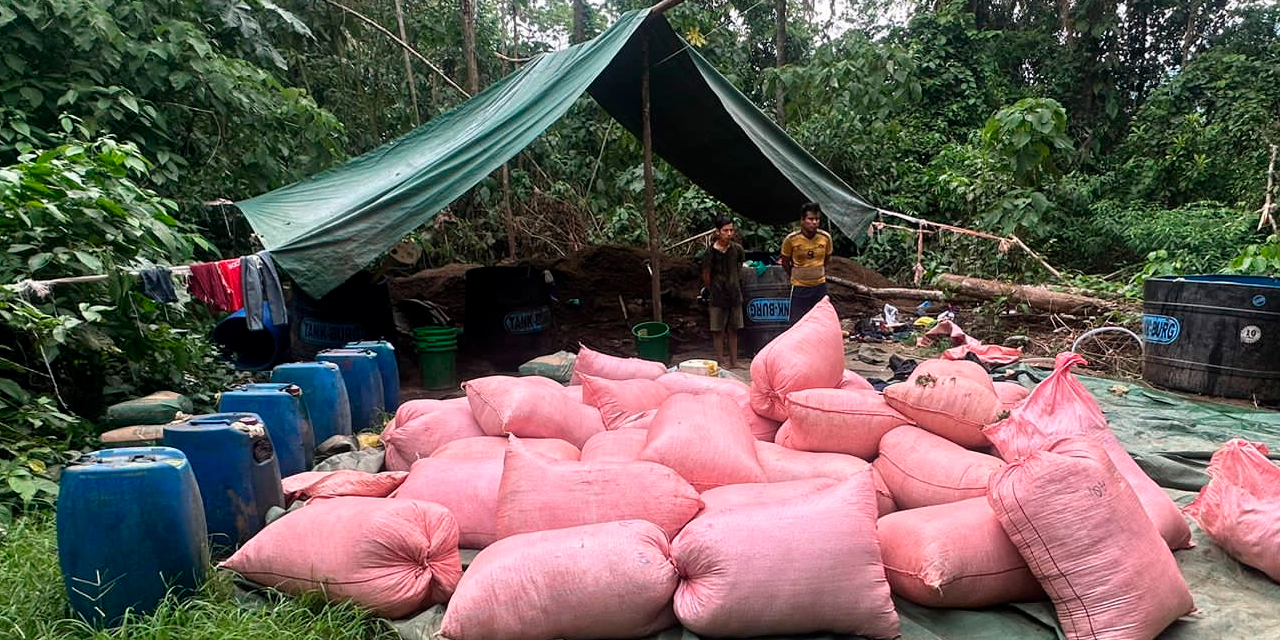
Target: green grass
32,605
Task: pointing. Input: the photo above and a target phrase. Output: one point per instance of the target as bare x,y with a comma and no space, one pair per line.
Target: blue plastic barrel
236,470
364,384
130,529
251,350
389,369
284,416
323,392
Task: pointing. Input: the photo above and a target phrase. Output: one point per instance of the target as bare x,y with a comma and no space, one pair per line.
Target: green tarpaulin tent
324,229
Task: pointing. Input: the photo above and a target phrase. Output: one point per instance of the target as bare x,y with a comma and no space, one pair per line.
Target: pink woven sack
594,363
622,445
781,464
1085,537
810,564
1240,507
705,440
809,355
954,556
608,580
783,436
393,557
922,469
468,488
954,407
837,421
761,427
939,368
1060,407
530,407
495,448
621,400
538,493
850,381
347,482
422,426
1010,394
736,495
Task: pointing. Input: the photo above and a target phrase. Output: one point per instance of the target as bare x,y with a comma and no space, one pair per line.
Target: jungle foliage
1118,138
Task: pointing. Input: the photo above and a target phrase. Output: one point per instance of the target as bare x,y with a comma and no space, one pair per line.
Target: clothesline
41,288
1011,239
248,282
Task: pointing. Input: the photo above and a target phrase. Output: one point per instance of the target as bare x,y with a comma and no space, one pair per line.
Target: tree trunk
579,22
1038,298
650,216
1065,22
468,9
1189,35
508,216
408,67
780,49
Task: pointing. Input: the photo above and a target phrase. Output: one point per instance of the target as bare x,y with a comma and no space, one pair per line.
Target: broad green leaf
24,486
38,261
88,260
32,95
13,390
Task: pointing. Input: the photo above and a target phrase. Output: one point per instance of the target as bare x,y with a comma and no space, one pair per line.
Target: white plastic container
709,368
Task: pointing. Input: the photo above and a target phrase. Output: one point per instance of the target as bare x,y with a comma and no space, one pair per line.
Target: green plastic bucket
651,341
435,342
439,367
435,332
437,349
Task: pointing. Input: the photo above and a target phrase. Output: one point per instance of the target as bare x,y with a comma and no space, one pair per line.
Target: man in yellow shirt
805,254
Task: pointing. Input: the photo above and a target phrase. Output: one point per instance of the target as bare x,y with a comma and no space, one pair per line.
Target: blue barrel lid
1227,279
347,352
365,344
226,417
289,366
249,423
268,387
139,458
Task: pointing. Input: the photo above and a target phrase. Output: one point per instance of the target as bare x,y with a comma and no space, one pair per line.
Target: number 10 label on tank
1160,329
1250,334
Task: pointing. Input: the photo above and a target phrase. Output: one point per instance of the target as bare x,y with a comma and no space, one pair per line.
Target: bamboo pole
663,7
650,216
405,45
408,66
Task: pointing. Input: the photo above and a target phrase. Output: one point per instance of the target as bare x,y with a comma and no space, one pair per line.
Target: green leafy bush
65,353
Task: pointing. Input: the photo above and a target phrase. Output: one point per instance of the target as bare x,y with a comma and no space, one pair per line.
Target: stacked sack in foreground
636,499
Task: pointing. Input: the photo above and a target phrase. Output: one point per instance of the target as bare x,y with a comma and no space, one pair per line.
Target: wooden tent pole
664,6
650,216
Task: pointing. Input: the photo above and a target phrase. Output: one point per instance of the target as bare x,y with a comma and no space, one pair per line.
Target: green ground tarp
1234,601
324,229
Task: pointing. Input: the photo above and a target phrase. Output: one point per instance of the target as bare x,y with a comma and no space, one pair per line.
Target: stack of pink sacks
634,499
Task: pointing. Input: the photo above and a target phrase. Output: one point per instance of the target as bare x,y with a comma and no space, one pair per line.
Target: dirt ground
603,291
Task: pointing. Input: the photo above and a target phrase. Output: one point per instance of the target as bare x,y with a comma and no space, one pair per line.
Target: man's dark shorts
804,298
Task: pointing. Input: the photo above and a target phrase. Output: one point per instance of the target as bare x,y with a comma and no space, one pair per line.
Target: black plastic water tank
1213,335
508,317
766,299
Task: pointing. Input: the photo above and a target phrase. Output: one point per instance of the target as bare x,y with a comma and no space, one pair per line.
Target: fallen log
967,288
891,292
1038,298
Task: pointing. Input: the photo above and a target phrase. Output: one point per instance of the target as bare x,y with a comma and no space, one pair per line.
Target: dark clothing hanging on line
263,296
157,284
